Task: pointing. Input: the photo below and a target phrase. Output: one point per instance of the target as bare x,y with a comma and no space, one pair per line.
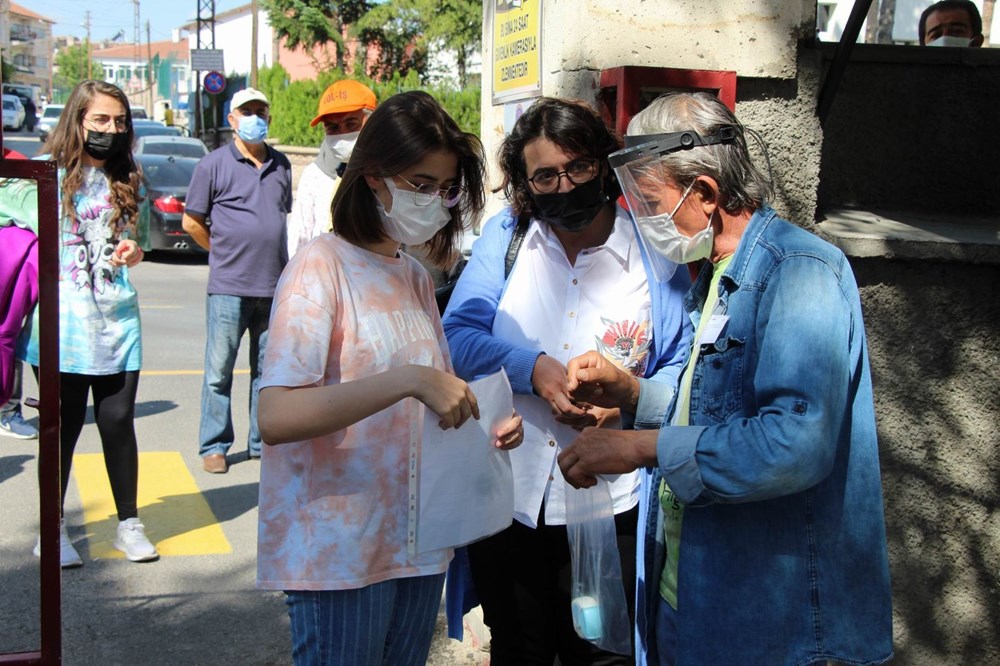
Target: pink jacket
18,295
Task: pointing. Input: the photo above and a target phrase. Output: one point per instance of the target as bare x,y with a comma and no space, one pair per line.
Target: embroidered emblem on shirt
626,344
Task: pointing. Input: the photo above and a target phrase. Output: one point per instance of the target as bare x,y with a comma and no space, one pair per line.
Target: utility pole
137,49
149,70
90,60
253,43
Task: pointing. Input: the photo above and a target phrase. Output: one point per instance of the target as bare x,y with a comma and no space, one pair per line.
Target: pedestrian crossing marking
178,520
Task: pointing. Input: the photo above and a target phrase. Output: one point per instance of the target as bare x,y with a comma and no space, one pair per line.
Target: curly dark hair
570,124
65,146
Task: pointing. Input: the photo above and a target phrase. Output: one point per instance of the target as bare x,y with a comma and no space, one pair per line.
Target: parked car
180,146
166,178
49,120
13,112
145,127
139,112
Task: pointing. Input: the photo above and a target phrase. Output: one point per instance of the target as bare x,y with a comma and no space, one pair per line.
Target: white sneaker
68,557
132,541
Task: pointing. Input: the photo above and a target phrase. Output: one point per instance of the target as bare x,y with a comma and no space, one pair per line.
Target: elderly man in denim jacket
762,502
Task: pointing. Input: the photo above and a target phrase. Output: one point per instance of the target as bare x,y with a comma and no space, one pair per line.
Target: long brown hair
65,146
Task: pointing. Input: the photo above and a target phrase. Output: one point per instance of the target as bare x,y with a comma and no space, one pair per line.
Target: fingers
572,469
579,364
510,434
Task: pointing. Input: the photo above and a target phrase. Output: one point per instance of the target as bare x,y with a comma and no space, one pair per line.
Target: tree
454,25
75,65
394,29
6,70
311,23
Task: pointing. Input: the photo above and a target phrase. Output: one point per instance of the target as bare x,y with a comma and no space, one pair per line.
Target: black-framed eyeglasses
579,171
426,193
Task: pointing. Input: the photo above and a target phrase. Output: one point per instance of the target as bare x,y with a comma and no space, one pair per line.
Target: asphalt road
197,604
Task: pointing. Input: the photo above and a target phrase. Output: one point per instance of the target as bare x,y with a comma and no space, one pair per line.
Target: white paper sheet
462,487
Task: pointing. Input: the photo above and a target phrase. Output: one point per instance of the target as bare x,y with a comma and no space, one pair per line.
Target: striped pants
390,623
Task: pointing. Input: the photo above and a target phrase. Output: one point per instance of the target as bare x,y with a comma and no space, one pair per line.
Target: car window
180,149
169,173
51,112
7,104
139,112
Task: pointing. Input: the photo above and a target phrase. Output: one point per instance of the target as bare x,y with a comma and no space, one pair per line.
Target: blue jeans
229,317
390,623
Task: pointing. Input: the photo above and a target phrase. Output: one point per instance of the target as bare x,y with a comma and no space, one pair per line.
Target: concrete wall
909,132
932,332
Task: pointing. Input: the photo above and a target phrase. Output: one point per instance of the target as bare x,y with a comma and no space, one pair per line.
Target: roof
23,11
223,17
165,49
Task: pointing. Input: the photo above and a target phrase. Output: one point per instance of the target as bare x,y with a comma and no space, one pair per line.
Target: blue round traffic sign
215,82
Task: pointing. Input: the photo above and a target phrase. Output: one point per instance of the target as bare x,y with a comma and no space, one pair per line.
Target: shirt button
552,442
565,346
551,478
572,314
574,280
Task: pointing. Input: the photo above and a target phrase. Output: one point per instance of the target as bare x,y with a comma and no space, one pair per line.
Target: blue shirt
783,555
248,208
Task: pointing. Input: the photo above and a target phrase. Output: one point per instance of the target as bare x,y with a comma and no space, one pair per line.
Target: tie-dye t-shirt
333,510
99,328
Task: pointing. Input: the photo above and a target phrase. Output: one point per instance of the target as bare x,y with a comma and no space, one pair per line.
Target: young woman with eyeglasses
355,343
579,283
104,217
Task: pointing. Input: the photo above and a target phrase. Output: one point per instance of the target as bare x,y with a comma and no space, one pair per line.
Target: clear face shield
643,176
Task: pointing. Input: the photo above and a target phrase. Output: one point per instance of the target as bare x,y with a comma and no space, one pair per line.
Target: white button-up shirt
602,303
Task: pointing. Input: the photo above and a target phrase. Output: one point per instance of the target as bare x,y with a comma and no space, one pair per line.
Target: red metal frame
623,88
50,606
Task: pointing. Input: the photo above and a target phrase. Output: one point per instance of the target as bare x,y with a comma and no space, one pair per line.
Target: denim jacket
783,555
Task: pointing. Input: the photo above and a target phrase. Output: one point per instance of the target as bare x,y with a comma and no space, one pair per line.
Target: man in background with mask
761,505
343,109
951,23
245,188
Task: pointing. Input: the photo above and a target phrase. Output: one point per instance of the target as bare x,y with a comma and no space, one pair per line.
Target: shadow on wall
936,371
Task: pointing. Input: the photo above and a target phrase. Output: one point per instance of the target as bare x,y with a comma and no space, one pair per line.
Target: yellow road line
177,373
178,520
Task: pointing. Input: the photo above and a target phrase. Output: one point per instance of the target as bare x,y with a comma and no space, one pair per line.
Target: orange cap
344,96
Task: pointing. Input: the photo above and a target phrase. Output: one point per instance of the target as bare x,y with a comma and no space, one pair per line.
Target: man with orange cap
343,109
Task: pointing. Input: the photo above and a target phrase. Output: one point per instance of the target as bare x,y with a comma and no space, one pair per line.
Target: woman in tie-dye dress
102,214
355,345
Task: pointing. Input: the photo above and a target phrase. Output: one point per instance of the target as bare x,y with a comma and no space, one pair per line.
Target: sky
107,17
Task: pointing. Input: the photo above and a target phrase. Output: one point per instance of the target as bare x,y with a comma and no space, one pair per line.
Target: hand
510,434
548,378
444,394
594,379
598,417
127,253
601,451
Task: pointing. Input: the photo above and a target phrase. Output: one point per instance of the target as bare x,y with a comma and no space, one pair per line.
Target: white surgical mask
660,234
949,40
408,223
341,145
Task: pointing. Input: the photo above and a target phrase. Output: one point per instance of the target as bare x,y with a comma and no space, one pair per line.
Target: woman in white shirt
579,282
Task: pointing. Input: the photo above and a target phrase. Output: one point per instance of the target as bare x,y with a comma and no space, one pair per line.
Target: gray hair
742,185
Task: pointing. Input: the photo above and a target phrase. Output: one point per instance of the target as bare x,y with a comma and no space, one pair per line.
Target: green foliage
294,103
72,65
310,23
6,70
401,33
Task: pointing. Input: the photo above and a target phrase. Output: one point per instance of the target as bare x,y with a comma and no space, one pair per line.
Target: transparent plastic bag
600,614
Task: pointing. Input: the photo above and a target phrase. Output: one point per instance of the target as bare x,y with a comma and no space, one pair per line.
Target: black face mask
102,145
573,210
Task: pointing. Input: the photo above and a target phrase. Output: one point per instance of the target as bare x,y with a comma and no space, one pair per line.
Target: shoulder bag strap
515,244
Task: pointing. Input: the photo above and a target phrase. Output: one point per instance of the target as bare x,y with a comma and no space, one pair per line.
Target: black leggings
114,412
